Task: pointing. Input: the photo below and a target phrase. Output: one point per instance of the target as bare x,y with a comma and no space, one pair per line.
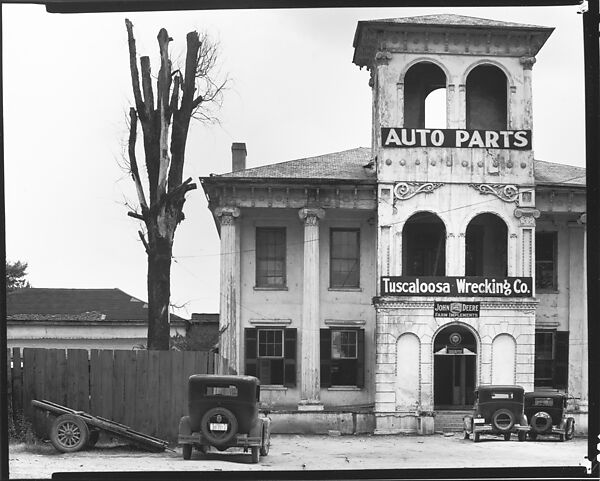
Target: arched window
485,246
420,108
424,246
487,98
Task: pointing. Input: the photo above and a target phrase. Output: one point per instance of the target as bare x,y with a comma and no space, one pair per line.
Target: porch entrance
454,367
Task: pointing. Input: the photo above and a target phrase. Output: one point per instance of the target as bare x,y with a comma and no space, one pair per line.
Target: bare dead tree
180,96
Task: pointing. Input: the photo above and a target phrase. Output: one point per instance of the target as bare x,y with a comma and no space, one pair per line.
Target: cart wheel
69,433
255,454
507,436
187,451
93,439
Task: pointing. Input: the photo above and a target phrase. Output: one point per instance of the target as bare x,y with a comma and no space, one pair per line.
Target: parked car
498,410
546,411
224,413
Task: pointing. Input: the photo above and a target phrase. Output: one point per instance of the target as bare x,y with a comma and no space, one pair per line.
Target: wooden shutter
250,335
360,365
325,349
289,366
561,360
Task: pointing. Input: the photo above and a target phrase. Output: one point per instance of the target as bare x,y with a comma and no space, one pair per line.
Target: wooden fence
145,390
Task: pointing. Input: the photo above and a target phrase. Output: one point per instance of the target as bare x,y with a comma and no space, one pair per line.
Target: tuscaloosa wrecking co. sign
468,286
457,138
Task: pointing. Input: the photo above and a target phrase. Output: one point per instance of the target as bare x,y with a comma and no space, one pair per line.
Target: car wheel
503,420
541,422
522,435
69,433
532,436
255,454
507,436
475,437
466,435
570,429
561,437
187,451
219,425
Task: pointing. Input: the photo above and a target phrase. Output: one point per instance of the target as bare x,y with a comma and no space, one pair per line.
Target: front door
454,367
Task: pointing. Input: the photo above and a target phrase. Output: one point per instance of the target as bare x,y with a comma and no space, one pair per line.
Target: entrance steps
450,421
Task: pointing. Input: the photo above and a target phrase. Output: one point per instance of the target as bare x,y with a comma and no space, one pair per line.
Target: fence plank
118,381
78,369
50,380
95,383
165,396
28,382
141,388
106,370
62,375
130,404
153,393
178,388
17,381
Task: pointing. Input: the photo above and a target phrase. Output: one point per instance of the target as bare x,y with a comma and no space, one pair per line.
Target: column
527,216
229,318
527,122
578,378
310,376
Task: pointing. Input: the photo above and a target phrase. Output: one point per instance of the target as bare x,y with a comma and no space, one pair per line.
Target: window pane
344,258
343,345
270,257
270,343
545,260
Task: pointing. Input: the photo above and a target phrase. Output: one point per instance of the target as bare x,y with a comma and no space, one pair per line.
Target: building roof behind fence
49,304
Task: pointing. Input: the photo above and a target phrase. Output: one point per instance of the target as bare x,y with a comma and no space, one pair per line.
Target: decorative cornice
504,192
384,304
345,323
270,322
406,190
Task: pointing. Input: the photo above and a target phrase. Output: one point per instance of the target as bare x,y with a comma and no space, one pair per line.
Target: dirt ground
301,452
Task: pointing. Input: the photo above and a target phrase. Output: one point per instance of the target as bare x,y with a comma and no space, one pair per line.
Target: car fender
185,426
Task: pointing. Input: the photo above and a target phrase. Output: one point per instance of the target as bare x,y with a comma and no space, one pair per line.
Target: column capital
227,215
527,62
383,57
526,216
311,216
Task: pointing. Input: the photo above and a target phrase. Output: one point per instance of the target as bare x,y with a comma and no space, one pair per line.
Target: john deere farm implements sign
456,138
466,286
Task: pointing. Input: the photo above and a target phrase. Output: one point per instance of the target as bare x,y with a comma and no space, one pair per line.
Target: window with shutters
271,355
344,258
342,357
270,257
551,359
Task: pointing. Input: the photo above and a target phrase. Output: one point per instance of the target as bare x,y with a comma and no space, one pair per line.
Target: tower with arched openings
452,138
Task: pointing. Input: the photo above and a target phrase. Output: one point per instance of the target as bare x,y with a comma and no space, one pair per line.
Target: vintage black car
224,413
498,410
546,411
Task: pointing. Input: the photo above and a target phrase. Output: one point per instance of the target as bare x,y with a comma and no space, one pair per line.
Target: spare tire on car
219,425
541,422
503,420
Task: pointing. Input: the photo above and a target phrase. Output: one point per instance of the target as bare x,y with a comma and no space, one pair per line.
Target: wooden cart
74,430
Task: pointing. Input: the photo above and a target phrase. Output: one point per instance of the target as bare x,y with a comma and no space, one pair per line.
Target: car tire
69,433
266,443
570,429
219,415
255,450
507,436
541,422
466,435
187,451
522,436
476,437
503,420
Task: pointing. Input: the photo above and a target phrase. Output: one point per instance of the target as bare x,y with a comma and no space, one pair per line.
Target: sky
293,92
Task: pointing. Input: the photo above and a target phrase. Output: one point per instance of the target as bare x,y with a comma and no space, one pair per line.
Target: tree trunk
159,291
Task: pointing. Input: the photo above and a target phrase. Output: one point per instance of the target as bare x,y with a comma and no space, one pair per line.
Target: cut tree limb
133,161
